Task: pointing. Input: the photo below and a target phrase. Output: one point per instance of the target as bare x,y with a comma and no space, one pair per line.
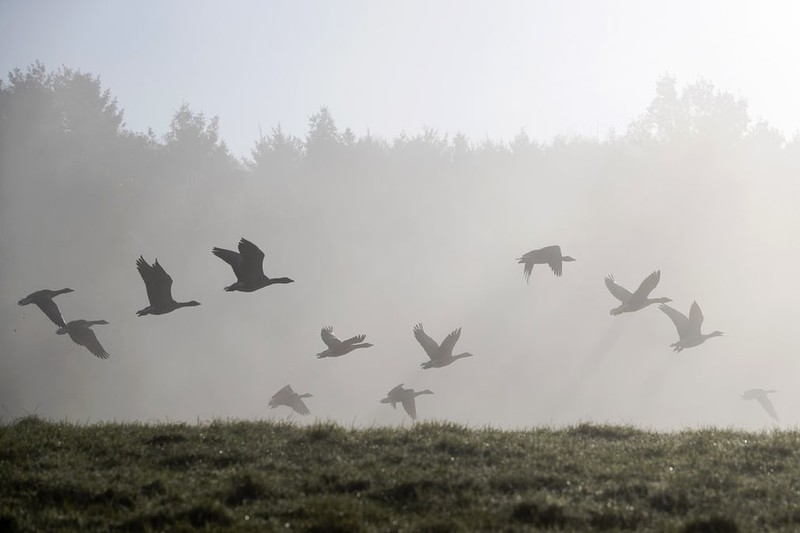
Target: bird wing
678,318
49,308
695,318
283,393
252,259
648,284
410,405
157,282
84,336
765,402
449,342
552,254
355,340
430,346
330,340
234,259
297,403
620,293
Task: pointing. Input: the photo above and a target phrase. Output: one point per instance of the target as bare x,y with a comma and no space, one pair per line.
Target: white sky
482,68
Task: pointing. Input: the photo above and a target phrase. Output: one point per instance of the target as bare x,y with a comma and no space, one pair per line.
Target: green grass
266,476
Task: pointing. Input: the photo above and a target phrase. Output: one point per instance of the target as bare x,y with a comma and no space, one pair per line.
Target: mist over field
385,225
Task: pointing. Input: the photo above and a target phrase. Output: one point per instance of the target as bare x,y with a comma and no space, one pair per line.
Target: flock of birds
247,265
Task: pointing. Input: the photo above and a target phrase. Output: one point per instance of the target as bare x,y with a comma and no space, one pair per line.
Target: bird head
192,303
567,258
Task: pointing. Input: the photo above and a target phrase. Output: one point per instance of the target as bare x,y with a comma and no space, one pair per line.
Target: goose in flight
760,395
80,332
440,355
688,328
338,347
248,266
44,301
406,397
288,397
549,255
637,300
159,289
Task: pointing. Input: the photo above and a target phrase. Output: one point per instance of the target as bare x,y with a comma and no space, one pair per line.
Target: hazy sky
482,68
546,352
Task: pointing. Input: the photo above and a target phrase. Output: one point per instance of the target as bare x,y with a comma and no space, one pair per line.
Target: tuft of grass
265,476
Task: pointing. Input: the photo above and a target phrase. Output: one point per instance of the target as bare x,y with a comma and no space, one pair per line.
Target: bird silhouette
159,289
80,332
336,347
637,300
248,265
43,299
688,328
760,395
406,397
439,355
288,397
549,255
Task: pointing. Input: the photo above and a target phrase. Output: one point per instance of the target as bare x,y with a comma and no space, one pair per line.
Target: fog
381,231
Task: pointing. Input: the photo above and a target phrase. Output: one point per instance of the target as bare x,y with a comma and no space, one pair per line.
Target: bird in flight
760,395
338,347
248,265
159,289
549,255
406,397
43,299
288,397
439,355
633,301
81,333
688,328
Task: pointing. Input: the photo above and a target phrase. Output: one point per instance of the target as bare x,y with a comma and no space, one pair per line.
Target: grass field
267,476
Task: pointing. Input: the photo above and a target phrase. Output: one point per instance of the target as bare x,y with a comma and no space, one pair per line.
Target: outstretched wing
552,254
618,291
252,259
430,346
234,259
695,318
355,340
765,402
49,308
297,403
330,340
410,405
157,282
678,318
449,342
648,284
86,337
285,392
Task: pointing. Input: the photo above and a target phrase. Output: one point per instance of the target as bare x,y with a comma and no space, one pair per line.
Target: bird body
288,397
439,355
760,395
337,347
43,299
634,301
159,289
80,332
688,328
248,265
549,255
405,397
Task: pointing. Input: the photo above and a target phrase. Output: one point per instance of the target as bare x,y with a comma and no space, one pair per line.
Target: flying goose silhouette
44,301
637,300
80,332
338,347
288,397
159,289
549,255
440,355
688,328
760,395
248,265
406,397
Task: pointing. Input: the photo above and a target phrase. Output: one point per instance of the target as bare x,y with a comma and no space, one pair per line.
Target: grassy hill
267,476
